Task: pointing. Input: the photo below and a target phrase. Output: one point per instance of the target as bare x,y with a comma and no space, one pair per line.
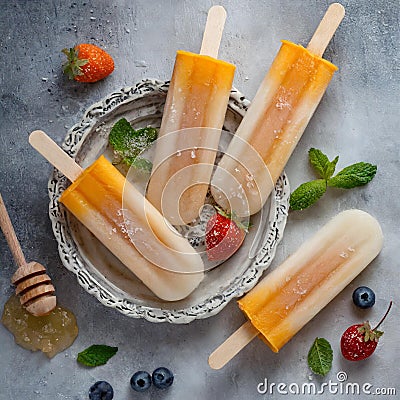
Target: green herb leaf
307,194
320,357
318,160
97,354
321,163
330,170
142,163
354,175
128,143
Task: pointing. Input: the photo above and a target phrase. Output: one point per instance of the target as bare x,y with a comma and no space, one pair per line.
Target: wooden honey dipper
33,285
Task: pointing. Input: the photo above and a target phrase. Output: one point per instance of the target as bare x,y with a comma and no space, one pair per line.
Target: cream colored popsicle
291,295
197,98
126,223
275,121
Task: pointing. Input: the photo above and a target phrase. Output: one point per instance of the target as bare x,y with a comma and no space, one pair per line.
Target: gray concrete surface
357,119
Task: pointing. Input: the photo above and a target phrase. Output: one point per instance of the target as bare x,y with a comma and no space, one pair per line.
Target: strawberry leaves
73,66
350,177
369,333
244,225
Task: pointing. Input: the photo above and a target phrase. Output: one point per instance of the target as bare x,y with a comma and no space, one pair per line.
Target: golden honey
50,334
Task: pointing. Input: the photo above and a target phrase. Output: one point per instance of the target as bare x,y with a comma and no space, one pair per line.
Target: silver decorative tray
101,273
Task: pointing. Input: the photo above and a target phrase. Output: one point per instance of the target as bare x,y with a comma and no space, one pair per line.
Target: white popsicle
291,295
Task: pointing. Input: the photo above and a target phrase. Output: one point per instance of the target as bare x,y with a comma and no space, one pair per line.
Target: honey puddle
51,333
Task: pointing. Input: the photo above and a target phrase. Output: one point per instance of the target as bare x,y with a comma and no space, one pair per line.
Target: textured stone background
357,118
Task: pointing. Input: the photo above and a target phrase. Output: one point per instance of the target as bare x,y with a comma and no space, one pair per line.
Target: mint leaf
330,170
307,194
142,163
95,355
321,163
318,160
119,134
320,357
354,175
127,142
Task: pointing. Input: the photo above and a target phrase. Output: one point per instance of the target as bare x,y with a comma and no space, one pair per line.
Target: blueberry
162,378
364,297
140,381
101,390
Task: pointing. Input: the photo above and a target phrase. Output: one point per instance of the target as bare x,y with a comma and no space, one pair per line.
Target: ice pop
197,98
276,119
126,223
291,295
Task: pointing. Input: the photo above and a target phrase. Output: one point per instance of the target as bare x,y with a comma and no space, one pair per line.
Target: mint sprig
97,354
128,143
352,176
320,356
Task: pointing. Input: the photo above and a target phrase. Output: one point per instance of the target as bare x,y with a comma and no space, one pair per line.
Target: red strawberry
359,341
224,235
87,63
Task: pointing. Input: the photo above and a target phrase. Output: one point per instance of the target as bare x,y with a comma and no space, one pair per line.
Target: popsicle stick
11,237
55,155
326,29
236,342
213,31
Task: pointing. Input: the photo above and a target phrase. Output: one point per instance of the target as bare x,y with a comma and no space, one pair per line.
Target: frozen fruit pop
291,295
275,121
197,98
126,223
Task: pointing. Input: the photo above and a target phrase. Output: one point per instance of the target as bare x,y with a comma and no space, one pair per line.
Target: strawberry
224,235
359,341
87,63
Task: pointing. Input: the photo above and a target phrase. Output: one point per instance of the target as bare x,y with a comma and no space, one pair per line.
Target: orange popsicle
126,223
197,98
276,120
291,295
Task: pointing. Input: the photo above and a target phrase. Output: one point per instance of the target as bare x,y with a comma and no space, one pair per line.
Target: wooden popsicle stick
326,29
9,233
213,31
236,342
55,155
